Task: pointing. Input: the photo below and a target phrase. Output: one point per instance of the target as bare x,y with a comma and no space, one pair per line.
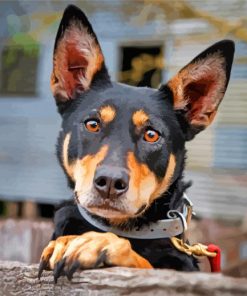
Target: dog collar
176,224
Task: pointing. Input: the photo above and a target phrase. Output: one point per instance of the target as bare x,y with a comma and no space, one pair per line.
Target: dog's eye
151,136
92,125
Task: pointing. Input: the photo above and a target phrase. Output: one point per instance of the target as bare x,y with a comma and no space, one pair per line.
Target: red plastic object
214,261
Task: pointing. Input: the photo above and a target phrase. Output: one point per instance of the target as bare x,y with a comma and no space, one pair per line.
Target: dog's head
122,147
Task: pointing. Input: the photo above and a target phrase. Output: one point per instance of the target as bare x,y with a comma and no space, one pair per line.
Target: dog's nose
111,182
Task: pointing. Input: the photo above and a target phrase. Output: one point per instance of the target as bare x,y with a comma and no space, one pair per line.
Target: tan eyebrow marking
139,118
107,113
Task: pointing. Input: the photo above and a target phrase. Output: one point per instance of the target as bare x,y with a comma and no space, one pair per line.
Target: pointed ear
77,56
200,86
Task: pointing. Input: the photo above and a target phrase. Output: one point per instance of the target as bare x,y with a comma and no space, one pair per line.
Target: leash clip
196,249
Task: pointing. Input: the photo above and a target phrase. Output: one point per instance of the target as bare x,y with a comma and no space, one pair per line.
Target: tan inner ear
77,59
199,88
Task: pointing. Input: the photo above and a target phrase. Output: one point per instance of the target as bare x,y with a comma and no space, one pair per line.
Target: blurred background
144,43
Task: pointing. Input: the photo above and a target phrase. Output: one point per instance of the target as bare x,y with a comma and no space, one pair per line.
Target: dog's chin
116,212
114,216
109,213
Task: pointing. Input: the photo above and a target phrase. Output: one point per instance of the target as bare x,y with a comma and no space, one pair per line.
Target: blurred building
144,43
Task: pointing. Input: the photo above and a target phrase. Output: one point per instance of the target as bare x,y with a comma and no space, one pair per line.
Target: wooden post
29,210
12,209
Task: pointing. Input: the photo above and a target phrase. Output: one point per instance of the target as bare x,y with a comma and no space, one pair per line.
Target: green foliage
19,65
26,42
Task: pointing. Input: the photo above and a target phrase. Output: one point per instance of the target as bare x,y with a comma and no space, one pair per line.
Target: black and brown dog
123,151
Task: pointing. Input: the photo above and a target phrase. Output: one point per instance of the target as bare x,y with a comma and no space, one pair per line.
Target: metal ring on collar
172,214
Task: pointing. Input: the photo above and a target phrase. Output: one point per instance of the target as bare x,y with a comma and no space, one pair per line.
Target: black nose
111,182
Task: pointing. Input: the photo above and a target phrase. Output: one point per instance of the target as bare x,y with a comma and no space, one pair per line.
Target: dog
122,149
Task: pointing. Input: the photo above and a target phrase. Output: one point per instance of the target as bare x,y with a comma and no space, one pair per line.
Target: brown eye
151,136
92,125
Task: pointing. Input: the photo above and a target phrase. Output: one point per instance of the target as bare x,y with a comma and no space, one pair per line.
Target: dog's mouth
108,213
109,209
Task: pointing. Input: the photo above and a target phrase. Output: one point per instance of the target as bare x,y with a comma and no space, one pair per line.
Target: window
19,66
141,65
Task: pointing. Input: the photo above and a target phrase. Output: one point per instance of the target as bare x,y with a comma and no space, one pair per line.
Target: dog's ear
199,87
77,59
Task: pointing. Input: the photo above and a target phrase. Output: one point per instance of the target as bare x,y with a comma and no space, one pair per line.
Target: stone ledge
19,279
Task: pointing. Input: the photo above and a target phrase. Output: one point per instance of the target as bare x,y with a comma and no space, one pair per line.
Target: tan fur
165,183
107,113
139,118
54,250
144,186
142,182
68,167
86,249
83,173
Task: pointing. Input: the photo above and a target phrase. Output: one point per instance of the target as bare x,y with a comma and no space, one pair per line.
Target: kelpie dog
123,151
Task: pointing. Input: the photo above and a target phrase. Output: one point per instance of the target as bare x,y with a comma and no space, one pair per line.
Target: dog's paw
90,250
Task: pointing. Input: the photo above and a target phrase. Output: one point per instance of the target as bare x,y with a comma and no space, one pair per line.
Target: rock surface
19,279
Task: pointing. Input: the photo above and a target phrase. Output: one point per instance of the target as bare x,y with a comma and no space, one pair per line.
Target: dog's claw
58,269
42,266
72,270
101,260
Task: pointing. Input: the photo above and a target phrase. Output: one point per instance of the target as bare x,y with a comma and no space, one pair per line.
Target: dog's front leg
90,250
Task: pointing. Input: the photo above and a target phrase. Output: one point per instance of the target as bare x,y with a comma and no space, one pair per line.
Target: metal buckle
172,214
185,217
189,209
